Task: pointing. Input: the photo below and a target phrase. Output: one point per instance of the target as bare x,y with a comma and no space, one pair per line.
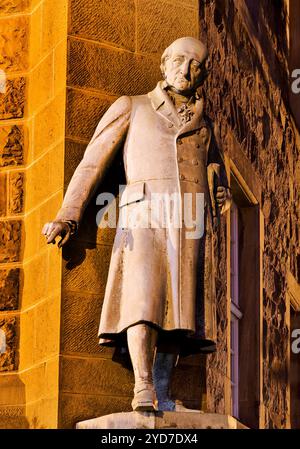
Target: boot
141,343
162,372
144,397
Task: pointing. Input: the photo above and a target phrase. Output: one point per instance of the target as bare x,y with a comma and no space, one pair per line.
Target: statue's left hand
54,229
221,195
223,198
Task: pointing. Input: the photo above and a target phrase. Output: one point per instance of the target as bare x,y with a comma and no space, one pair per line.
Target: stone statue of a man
160,293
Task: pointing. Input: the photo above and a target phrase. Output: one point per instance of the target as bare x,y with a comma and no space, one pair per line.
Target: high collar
163,104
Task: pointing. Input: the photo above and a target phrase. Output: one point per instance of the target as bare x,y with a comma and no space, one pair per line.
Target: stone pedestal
162,420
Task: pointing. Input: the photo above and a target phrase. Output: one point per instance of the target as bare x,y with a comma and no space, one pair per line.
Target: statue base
162,420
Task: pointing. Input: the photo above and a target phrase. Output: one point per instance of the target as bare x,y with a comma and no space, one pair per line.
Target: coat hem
186,339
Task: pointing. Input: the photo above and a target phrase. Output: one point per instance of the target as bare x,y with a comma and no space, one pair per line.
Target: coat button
170,125
198,145
196,180
179,159
195,162
182,177
179,141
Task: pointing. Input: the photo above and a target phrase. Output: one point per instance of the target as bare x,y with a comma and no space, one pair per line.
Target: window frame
235,311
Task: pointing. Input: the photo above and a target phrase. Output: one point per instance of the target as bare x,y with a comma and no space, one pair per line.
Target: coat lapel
163,105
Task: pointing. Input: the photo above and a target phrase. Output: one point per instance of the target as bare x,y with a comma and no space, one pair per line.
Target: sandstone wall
247,95
32,118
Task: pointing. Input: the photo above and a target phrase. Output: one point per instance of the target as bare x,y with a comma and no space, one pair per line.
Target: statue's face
183,68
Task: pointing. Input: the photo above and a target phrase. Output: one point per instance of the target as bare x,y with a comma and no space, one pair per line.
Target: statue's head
183,64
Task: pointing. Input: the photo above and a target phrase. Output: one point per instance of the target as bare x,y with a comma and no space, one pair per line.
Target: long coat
157,275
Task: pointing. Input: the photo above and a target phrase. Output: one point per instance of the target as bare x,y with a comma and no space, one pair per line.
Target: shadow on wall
74,253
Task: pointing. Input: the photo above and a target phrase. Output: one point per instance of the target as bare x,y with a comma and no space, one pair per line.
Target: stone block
99,21
54,23
13,6
52,115
193,360
162,420
80,323
76,407
39,332
12,410
84,110
32,228
160,23
14,41
9,359
27,340
95,376
111,71
12,395
41,84
41,381
11,145
12,100
17,422
56,167
9,288
42,414
35,279
16,193
42,275
60,66
47,331
35,46
191,3
86,267
188,384
52,375
10,240
48,168
3,196
54,270
34,382
34,3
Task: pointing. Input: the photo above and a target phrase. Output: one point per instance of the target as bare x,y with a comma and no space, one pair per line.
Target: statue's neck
179,99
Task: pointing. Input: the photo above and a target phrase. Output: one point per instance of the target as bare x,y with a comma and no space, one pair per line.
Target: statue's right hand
56,228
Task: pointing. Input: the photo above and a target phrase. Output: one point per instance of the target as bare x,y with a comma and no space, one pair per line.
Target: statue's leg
162,373
141,343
